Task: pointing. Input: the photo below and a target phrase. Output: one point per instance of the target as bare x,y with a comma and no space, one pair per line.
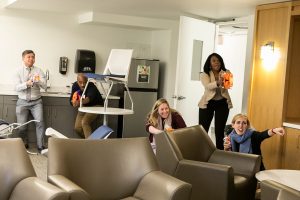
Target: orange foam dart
227,80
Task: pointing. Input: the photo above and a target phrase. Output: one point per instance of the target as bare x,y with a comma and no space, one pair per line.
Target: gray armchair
190,155
271,190
18,180
111,169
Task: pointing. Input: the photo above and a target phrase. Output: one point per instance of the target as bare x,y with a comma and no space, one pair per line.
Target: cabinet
265,107
292,95
274,95
1,107
9,108
8,114
59,115
291,149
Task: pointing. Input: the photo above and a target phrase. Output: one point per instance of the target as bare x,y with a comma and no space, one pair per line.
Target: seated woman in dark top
162,117
246,140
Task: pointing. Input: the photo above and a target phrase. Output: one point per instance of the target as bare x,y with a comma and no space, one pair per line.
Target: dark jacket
92,92
256,140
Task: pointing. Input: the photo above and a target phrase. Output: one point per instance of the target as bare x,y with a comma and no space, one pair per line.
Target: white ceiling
167,9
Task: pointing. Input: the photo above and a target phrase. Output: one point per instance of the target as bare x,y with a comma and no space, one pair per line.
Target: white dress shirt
22,76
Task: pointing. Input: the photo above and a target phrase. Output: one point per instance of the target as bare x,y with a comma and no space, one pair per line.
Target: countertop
51,92
291,125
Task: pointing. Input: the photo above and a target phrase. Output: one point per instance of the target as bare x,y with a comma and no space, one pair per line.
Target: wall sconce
269,55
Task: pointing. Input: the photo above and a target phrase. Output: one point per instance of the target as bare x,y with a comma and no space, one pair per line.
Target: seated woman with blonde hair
162,117
242,138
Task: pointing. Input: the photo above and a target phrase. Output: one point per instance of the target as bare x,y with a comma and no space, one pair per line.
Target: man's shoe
40,149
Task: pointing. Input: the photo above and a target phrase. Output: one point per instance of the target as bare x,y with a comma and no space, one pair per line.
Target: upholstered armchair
271,190
189,155
111,169
18,180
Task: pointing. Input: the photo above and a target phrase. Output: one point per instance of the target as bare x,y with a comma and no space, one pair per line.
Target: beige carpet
39,163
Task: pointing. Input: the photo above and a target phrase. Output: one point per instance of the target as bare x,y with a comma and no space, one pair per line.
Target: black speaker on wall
85,61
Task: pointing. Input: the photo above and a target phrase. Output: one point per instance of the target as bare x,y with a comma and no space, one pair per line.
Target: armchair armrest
160,186
209,180
33,188
67,185
242,164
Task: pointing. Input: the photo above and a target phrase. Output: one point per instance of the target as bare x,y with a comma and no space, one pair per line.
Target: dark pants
220,109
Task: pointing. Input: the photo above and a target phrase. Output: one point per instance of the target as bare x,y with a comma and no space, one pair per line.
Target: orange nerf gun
169,129
227,80
35,78
76,96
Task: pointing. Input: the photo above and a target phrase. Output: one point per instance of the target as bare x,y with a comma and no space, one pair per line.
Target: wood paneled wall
292,149
292,98
296,8
266,97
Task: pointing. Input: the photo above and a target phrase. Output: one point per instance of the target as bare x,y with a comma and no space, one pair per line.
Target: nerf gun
76,96
35,78
168,129
227,80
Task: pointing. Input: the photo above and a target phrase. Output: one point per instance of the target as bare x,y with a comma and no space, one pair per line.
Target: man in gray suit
29,80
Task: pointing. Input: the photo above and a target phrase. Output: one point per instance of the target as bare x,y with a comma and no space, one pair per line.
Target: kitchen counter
58,113
51,92
291,125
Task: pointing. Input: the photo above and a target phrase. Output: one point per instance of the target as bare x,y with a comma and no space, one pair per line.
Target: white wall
52,35
248,62
233,52
166,49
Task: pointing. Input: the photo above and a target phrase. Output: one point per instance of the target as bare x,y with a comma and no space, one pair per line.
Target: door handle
180,98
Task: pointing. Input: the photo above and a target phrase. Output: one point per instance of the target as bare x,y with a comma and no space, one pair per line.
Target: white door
188,89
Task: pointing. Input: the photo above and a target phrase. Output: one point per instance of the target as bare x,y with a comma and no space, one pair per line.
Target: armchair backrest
193,143
167,153
15,165
105,169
